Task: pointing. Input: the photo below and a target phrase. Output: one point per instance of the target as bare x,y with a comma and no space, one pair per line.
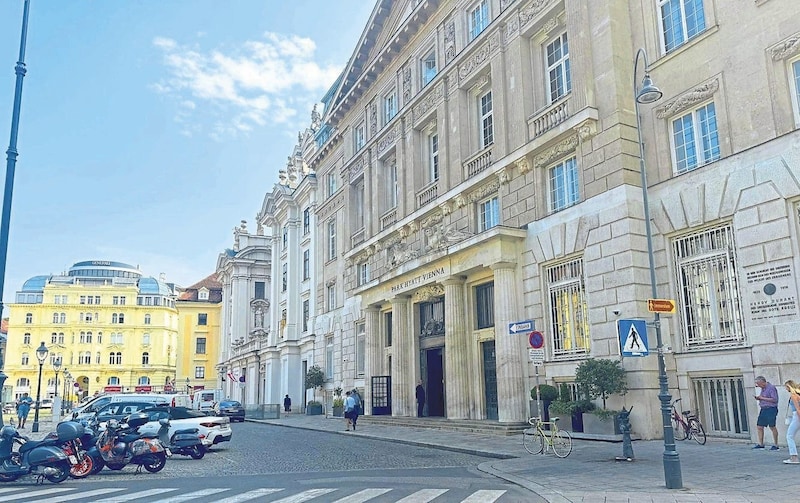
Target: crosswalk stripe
250,495
83,494
191,496
27,495
304,496
361,496
484,496
422,496
133,496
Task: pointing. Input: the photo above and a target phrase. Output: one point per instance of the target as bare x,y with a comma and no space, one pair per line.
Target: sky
150,128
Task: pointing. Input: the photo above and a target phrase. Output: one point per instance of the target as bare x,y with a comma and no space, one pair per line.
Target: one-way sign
633,337
520,326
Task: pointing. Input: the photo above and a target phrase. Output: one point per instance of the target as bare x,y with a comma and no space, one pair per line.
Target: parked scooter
121,444
185,442
80,462
43,459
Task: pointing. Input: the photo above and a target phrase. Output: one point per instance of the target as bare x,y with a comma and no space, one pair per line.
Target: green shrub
338,402
546,393
601,378
313,403
315,377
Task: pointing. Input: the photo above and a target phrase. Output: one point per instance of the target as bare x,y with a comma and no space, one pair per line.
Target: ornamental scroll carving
430,101
687,100
427,293
357,168
556,151
505,3
440,237
533,9
480,56
786,48
406,84
449,41
373,119
390,138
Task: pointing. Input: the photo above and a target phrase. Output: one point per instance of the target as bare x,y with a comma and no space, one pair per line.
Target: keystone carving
687,100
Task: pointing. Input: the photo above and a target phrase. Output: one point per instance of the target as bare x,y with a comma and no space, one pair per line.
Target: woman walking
794,425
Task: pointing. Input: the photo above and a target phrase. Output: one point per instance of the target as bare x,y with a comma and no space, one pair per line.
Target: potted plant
570,412
338,402
547,394
315,378
314,408
601,378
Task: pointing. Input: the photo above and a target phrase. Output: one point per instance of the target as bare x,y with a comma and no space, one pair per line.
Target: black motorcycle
44,458
184,442
122,444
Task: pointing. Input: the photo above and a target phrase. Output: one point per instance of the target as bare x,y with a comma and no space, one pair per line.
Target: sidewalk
720,471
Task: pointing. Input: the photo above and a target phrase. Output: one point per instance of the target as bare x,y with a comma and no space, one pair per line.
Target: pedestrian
794,424
357,408
287,404
768,412
420,393
349,409
23,408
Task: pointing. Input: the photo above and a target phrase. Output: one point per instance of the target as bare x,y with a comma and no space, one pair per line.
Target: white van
181,400
92,406
206,400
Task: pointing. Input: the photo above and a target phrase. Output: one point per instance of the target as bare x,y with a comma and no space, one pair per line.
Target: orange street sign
661,305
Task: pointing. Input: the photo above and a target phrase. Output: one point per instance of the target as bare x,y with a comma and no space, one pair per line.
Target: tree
315,377
601,378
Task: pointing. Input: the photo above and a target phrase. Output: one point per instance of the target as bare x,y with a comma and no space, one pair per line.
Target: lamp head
648,93
41,353
57,364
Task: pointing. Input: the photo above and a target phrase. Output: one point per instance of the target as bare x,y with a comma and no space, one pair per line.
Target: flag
230,375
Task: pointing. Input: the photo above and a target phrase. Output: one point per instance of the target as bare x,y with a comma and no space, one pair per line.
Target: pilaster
456,344
374,350
403,358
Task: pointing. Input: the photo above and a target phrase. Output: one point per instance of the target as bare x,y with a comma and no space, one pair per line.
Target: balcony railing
427,194
357,237
550,117
478,163
388,218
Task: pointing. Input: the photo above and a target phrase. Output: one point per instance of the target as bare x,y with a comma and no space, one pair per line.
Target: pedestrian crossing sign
633,337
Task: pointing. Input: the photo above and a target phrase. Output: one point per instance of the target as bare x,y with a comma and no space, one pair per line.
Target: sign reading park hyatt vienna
419,280
772,292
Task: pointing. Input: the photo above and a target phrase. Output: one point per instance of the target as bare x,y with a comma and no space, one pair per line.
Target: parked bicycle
535,439
687,425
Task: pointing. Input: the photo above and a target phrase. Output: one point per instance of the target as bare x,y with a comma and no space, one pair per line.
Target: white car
212,429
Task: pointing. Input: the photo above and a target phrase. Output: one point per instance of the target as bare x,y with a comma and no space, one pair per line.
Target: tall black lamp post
645,94
41,355
56,402
64,395
3,378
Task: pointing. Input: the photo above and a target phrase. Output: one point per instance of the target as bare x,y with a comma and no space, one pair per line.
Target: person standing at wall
768,412
287,404
420,393
23,408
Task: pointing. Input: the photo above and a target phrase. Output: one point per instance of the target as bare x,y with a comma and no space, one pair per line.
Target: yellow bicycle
535,439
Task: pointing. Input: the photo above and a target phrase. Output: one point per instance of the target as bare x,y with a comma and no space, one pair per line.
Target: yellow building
113,329
198,335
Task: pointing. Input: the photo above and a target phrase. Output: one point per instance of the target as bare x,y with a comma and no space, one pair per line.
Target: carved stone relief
400,253
373,119
428,292
522,165
531,10
479,56
786,48
687,100
441,236
449,41
556,151
406,84
430,101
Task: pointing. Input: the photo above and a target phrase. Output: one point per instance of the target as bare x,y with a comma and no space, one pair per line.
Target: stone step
466,425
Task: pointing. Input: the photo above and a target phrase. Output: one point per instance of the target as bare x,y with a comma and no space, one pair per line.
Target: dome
152,286
35,284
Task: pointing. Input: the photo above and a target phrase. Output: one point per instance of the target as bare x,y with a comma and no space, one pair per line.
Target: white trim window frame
363,273
329,357
563,184
389,106
392,187
361,348
488,213
707,282
331,239
559,77
359,136
478,19
332,184
694,138
359,203
680,21
427,66
566,297
486,119
794,85
433,156
330,295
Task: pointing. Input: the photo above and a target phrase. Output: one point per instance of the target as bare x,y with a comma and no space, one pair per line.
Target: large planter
338,411
594,425
314,409
545,406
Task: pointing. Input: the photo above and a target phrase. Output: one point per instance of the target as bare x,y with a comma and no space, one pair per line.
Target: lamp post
56,401
64,392
645,94
41,355
3,378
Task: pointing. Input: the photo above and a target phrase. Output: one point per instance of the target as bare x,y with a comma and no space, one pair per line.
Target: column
512,378
403,359
374,353
456,349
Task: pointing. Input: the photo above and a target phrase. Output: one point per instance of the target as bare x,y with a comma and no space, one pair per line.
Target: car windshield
230,404
177,412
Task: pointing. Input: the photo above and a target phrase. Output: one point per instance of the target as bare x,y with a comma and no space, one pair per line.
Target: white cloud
258,83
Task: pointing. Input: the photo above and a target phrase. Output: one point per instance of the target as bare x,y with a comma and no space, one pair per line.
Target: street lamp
64,393
56,402
41,355
646,94
3,378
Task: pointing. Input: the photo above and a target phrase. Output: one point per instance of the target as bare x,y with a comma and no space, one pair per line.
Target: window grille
722,405
568,309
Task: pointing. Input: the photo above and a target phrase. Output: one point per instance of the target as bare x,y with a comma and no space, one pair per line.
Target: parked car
231,409
213,429
46,403
9,407
120,410
91,407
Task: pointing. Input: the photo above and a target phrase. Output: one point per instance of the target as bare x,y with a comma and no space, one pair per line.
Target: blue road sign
519,327
633,337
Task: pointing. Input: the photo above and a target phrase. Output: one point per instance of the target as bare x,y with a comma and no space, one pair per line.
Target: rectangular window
484,305
363,273
558,73
708,289
488,214
392,187
285,238
331,239
82,299
564,188
199,372
680,21
260,290
428,67
695,139
388,320
478,19
433,156
795,76
486,119
200,346
306,264
306,221
330,297
284,276
358,196
361,346
389,106
329,357
306,314
202,318
722,405
332,183
569,324
359,136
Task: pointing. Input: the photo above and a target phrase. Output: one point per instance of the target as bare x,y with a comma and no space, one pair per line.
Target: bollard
625,427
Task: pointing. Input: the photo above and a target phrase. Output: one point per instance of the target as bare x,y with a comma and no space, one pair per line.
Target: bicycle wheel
678,430
697,431
562,443
532,441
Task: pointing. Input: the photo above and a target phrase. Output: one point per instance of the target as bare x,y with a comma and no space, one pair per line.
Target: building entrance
433,377
490,379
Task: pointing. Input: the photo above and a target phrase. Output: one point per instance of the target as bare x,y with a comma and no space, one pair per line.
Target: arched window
23,382
144,380
146,339
26,338
53,338
118,360
88,337
28,318
145,358
99,337
146,319
122,317
83,338
97,358
24,358
114,318
113,381
62,318
61,337
55,317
